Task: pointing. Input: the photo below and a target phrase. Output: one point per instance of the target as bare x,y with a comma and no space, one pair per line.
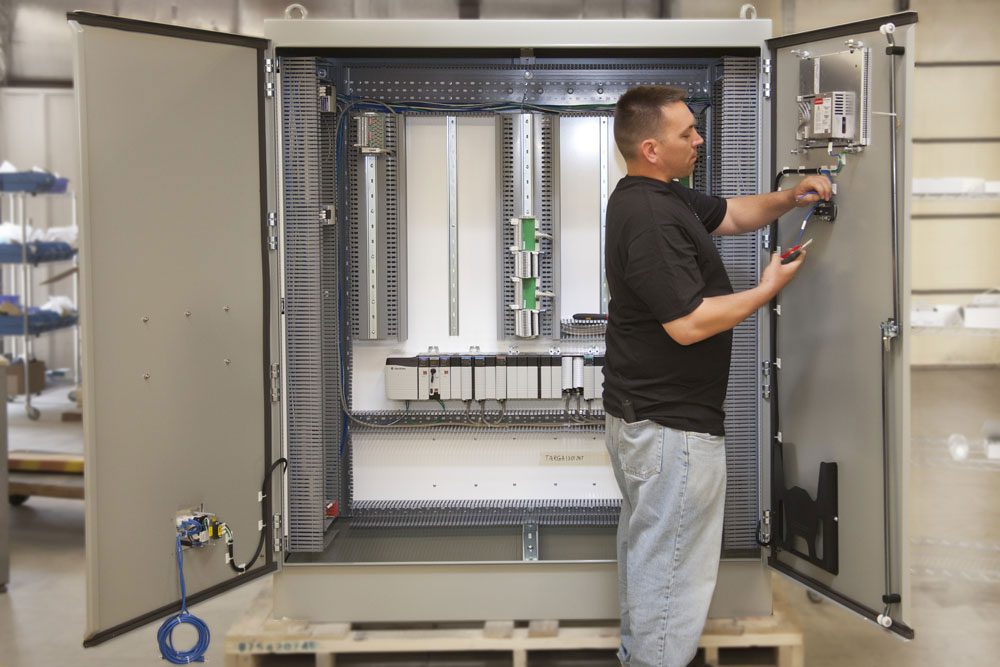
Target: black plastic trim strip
845,30
38,83
260,46
901,629
166,30
514,54
174,607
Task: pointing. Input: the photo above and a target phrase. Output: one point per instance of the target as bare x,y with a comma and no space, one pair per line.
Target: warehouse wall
954,240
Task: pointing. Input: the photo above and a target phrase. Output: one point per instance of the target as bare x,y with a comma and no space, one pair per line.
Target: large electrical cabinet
369,247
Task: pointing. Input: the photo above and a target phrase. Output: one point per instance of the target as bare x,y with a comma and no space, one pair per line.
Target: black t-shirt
660,263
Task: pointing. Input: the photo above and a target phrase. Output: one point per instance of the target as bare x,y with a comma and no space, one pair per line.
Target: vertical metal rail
524,145
452,148
371,218
605,149
890,331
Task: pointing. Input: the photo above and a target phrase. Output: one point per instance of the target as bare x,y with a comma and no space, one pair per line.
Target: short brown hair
639,113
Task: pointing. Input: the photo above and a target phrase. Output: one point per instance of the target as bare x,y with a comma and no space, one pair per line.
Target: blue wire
165,634
802,229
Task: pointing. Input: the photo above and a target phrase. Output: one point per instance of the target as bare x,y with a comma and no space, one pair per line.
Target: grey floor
955,531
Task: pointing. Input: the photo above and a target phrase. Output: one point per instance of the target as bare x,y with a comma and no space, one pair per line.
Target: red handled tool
793,253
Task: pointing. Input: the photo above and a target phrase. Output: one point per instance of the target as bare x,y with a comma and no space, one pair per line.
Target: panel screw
228,362
187,313
225,308
145,376
145,318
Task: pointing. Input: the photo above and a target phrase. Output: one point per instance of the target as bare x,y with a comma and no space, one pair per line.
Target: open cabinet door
175,309
840,405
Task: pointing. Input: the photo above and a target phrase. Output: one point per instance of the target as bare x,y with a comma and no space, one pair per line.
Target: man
669,343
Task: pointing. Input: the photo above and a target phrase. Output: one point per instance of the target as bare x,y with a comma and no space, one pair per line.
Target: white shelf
959,331
957,195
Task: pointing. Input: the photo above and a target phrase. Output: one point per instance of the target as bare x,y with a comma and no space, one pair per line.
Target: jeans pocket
640,449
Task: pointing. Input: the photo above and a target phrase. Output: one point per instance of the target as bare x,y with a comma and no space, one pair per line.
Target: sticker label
574,459
822,115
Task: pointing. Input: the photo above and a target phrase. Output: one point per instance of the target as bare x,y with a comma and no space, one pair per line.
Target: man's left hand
812,189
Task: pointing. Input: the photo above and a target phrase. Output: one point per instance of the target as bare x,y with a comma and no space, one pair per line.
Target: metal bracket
275,383
890,330
765,385
272,242
324,98
529,541
327,216
765,239
766,69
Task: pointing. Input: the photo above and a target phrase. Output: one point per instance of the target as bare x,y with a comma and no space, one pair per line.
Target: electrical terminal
197,528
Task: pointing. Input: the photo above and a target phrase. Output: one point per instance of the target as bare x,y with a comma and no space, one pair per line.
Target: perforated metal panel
304,307
389,270
737,153
543,186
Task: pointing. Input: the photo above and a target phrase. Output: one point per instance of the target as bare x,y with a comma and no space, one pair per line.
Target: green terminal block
529,286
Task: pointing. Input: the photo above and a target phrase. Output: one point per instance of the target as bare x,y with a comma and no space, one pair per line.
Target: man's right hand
777,275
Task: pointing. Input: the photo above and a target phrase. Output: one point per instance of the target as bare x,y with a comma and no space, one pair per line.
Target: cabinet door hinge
270,67
278,537
275,383
765,238
766,69
764,529
272,241
765,381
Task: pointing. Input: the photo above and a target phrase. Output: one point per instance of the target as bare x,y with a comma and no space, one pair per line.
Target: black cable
794,170
265,492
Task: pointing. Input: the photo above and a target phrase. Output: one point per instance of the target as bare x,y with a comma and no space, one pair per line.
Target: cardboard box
15,377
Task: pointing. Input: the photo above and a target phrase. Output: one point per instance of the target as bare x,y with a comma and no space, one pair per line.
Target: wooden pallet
256,636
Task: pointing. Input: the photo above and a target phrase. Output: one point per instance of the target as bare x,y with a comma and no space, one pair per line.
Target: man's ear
649,151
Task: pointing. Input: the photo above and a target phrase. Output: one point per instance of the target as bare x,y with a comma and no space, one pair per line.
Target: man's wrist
789,199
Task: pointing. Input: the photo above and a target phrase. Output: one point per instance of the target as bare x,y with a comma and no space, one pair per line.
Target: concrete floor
955,530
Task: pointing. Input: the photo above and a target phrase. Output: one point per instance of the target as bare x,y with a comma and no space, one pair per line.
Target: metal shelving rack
21,278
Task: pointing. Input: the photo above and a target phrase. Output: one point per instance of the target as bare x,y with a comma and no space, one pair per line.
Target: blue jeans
673,486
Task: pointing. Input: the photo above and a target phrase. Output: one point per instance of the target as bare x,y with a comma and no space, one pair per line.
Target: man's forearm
755,211
717,314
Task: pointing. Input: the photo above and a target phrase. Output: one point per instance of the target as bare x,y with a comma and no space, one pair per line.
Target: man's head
655,132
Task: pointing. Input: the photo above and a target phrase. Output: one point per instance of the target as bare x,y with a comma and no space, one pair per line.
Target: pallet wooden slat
257,634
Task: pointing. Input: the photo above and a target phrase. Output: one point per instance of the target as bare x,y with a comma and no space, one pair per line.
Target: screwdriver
792,254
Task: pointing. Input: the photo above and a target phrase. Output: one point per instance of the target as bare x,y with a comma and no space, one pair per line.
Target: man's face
678,141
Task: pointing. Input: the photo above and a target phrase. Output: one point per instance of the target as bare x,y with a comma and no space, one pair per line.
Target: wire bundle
164,636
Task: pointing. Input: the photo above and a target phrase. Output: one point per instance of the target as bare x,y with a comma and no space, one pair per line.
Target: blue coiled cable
165,634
